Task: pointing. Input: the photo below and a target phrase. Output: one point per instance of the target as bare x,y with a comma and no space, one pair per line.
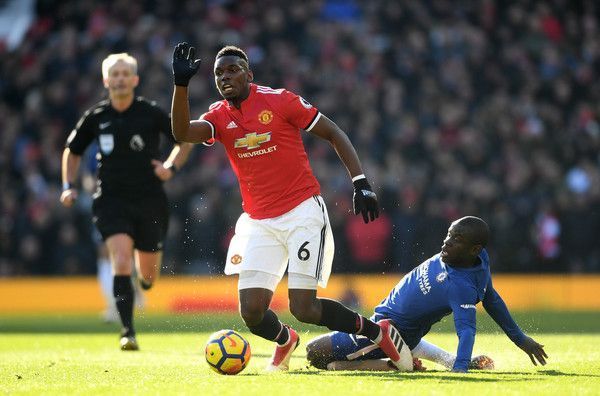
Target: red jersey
263,143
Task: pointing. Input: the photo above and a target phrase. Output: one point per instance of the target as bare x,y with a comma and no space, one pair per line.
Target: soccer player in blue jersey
452,281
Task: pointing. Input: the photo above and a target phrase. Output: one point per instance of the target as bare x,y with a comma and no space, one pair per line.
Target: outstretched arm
364,199
184,67
328,130
184,130
465,324
496,308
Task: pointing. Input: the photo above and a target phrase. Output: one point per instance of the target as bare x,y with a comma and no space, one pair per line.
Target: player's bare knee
121,265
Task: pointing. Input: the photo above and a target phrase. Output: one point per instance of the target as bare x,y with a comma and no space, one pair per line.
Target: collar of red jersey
252,91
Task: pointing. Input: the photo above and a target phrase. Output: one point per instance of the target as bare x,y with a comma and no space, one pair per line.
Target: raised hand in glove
365,200
184,64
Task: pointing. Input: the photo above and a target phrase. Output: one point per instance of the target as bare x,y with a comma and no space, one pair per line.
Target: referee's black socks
124,298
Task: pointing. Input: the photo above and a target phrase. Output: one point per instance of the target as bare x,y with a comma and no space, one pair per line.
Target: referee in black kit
130,206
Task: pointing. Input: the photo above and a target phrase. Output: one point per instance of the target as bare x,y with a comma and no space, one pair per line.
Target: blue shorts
357,347
354,347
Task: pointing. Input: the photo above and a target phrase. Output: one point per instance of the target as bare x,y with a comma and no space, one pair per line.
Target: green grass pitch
59,355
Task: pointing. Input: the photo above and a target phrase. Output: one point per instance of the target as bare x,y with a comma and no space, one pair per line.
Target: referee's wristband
67,186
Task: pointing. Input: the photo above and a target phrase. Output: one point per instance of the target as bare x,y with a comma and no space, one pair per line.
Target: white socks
428,351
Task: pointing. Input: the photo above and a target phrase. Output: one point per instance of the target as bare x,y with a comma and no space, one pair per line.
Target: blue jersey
433,290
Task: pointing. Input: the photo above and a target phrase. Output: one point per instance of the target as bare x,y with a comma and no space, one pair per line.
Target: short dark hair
477,229
232,50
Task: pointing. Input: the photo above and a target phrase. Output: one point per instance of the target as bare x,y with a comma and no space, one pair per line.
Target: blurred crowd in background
487,108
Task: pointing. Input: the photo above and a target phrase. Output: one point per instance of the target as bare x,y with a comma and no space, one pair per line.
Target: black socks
271,328
335,316
369,329
124,298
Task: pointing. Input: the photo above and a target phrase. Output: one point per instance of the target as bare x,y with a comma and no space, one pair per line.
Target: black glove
365,200
184,64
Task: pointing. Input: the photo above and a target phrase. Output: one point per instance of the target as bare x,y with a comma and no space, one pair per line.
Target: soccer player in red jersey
285,222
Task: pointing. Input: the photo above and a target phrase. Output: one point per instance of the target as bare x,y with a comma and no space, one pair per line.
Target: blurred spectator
369,243
547,235
484,108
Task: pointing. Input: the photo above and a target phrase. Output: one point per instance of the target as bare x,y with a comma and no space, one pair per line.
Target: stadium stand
485,108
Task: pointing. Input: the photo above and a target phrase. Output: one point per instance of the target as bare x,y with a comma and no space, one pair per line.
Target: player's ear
250,76
476,249
136,81
105,82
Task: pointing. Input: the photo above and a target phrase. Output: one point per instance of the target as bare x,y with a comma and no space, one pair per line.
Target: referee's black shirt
127,142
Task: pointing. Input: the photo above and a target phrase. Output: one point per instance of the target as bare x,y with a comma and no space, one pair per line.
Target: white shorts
257,279
299,240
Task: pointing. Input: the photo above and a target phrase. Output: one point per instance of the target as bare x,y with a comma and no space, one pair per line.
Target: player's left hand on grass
481,362
365,200
534,350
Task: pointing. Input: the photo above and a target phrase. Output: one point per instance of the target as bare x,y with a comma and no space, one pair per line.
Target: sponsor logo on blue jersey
423,278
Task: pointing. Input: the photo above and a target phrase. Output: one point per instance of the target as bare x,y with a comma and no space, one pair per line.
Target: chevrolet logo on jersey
252,140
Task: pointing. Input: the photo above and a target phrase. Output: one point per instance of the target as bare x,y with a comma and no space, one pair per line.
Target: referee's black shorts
145,218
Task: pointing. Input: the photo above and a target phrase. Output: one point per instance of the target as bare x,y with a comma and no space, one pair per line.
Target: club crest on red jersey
265,117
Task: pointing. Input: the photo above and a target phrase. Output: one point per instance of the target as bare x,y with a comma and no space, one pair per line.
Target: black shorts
145,219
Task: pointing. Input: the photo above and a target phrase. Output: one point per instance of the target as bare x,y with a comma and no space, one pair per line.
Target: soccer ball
227,352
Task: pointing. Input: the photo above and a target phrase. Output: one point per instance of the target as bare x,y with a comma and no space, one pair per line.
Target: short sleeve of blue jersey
462,299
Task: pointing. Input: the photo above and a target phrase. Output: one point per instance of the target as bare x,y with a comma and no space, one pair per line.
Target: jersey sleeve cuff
313,122
358,177
210,141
